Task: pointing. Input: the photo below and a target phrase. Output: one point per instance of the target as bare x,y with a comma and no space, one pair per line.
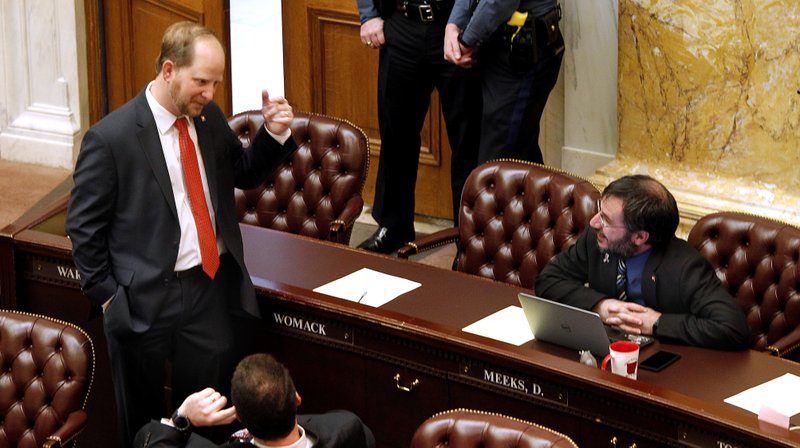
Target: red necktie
197,200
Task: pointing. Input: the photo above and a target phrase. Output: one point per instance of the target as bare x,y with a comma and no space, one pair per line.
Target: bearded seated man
631,269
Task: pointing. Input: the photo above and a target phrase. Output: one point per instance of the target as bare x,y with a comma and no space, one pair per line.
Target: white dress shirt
189,246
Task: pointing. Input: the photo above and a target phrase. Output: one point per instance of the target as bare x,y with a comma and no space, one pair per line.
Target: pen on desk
363,294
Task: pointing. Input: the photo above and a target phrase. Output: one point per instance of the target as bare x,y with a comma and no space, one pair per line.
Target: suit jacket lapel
608,273
605,279
150,143
649,277
205,141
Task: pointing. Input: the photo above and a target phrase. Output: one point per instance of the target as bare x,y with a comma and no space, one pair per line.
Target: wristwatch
181,422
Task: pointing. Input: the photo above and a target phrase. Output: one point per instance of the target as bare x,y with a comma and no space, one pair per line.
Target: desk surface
448,301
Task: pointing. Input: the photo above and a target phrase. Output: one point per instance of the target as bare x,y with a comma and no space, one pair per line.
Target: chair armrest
786,345
75,423
339,230
428,242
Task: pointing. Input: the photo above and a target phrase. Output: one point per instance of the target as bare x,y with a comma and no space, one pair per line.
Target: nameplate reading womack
313,326
526,385
49,271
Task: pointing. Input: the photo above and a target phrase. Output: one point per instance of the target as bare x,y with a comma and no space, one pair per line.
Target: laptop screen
570,327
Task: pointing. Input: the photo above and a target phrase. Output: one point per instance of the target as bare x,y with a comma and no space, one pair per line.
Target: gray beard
623,249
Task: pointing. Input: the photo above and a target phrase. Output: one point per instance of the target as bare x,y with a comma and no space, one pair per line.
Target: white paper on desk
507,325
368,287
779,394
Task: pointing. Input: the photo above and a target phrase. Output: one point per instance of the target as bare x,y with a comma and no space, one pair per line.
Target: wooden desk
418,335
398,364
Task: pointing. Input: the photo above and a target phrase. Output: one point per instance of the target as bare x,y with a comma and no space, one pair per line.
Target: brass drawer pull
408,388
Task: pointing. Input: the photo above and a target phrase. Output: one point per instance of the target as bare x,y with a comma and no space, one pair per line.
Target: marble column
43,83
590,85
708,104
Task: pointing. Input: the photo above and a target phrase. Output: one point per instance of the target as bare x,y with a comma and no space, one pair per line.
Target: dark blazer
335,429
122,218
677,281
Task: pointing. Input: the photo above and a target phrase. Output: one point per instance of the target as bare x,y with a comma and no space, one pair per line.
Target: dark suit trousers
411,66
191,341
513,102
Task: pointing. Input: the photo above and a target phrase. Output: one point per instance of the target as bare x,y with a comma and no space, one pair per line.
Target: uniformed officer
409,35
518,48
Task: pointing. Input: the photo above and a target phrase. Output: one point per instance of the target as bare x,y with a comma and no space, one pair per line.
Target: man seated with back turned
631,269
265,402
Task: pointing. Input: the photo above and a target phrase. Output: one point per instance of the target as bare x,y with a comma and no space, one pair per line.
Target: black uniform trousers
513,102
192,339
411,65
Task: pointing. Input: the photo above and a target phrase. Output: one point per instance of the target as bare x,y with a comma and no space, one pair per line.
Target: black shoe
384,241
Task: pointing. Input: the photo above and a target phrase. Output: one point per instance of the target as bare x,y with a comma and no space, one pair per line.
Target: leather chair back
47,366
463,428
516,216
756,259
317,192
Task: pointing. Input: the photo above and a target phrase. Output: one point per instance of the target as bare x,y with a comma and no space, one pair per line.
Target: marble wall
590,85
43,94
708,102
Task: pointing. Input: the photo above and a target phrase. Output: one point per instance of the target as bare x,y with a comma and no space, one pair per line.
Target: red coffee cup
624,357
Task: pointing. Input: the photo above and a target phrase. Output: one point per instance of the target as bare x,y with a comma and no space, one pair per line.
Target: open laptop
572,327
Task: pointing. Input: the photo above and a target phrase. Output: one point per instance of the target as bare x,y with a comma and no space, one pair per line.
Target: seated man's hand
627,316
207,408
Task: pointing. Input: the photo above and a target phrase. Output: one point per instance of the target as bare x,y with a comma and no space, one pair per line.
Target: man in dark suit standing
154,230
411,64
265,401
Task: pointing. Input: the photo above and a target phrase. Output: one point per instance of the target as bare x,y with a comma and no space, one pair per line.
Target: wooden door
133,30
329,71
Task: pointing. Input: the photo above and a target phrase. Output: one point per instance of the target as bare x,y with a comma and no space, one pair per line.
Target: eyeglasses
603,221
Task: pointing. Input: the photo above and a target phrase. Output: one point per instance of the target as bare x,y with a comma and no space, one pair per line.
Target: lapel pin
203,118
605,258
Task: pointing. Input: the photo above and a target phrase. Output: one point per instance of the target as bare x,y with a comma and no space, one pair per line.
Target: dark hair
264,396
177,44
646,205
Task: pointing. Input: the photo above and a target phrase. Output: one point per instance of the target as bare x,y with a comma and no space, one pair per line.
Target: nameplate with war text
51,271
310,325
522,384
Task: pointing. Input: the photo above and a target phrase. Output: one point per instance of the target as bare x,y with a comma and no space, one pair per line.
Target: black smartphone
659,360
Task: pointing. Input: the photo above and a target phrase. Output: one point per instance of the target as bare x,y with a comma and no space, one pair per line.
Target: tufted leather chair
757,261
515,217
47,370
464,428
317,193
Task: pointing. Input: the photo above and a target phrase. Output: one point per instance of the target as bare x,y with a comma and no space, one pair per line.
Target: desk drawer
399,399
603,436
325,377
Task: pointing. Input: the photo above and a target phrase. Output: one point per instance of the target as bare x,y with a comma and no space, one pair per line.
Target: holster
523,49
527,45
547,26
